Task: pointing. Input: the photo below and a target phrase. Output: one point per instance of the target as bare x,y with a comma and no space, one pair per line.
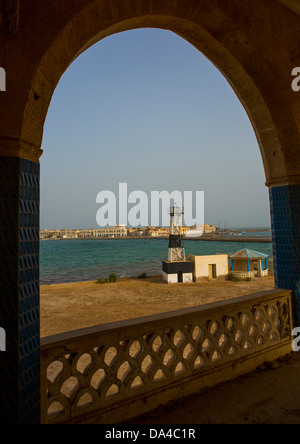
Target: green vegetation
142,276
231,277
111,278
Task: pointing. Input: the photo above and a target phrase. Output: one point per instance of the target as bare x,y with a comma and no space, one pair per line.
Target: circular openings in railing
253,331
70,388
137,383
110,356
232,351
169,358
223,341
261,340
55,409
113,390
267,327
180,368
85,400
272,312
239,337
97,379
157,344
274,336
259,316
247,345
189,352
245,319
229,323
147,364
54,371
213,328
199,362
124,371
178,338
197,333
135,349
206,346
216,356
84,364
283,309
159,376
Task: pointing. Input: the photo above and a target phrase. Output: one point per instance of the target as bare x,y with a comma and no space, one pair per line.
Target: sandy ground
269,395
66,307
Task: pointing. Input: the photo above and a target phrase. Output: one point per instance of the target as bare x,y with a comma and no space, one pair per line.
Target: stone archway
234,47
253,43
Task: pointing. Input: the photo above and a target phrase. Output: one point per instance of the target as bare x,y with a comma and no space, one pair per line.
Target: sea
76,260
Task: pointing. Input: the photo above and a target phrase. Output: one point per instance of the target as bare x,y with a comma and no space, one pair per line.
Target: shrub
111,278
232,278
142,276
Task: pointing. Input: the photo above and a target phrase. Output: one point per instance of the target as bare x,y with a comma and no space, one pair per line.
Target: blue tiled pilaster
19,291
285,217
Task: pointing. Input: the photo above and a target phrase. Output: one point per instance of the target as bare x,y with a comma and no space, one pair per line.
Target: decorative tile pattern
19,295
285,217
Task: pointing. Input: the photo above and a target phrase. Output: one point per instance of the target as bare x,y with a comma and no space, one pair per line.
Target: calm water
84,260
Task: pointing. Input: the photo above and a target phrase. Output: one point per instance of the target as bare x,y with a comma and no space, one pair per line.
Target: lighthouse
176,250
176,269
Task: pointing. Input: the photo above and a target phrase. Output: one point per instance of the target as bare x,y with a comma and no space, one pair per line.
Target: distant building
118,232
49,234
85,234
69,234
209,228
135,232
157,232
111,232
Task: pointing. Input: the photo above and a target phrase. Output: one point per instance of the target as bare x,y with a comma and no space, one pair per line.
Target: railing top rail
89,335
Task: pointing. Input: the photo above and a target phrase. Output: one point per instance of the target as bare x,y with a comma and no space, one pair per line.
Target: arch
254,43
292,4
209,26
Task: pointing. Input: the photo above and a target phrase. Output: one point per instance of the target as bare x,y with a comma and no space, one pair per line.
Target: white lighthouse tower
176,269
176,250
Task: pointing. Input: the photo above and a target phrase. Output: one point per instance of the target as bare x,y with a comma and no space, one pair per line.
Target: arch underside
233,36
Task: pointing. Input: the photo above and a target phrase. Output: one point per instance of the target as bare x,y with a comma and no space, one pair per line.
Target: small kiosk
248,263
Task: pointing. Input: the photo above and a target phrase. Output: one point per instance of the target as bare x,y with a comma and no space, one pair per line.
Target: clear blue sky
146,108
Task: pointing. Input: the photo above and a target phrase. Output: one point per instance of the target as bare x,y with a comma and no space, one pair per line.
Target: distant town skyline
145,107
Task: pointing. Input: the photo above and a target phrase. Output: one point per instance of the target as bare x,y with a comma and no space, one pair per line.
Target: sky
146,108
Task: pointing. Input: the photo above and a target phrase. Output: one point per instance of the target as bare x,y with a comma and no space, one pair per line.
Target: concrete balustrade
114,372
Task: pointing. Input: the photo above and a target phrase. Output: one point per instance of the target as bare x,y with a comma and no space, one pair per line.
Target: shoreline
149,276
201,239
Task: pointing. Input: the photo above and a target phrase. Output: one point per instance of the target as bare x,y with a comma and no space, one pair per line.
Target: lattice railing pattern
123,360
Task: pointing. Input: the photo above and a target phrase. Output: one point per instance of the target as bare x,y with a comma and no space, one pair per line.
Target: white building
118,232
212,267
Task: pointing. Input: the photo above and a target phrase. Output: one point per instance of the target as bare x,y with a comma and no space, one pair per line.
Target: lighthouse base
177,272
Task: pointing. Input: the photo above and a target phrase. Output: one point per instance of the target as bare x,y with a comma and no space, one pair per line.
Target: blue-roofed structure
248,263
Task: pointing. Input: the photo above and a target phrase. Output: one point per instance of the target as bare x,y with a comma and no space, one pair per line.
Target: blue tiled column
285,217
19,291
